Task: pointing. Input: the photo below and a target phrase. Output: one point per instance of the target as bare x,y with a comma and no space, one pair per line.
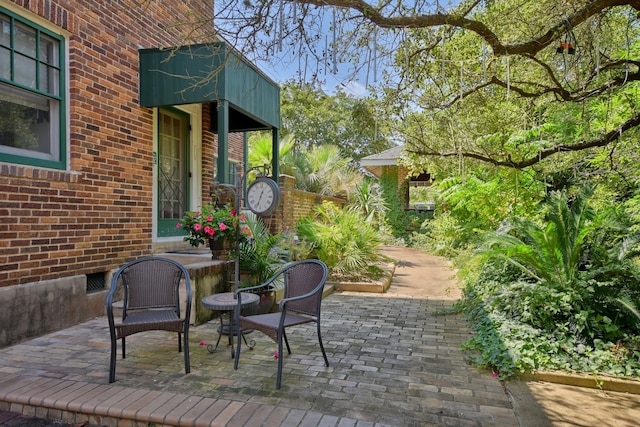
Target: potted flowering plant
213,224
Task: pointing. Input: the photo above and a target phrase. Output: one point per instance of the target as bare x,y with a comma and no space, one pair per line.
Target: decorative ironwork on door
172,171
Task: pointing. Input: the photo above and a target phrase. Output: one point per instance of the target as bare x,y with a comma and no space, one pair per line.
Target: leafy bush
341,239
258,255
547,296
442,235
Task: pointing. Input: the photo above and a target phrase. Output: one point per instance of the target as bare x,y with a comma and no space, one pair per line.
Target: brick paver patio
395,360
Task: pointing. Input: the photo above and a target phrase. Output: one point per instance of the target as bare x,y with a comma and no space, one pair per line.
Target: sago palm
549,253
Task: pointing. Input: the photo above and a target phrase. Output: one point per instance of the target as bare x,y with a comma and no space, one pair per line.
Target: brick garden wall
295,205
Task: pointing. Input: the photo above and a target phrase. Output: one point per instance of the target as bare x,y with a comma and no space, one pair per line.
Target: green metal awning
210,73
242,98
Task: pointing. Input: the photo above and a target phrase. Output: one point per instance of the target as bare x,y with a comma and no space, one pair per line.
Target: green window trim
53,89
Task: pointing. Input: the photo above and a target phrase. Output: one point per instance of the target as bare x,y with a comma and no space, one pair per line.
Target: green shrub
341,239
548,296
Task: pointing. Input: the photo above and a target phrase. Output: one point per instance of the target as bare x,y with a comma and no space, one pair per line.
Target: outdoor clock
263,195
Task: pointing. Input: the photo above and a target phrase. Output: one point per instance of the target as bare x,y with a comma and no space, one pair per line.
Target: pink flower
494,375
178,225
210,231
222,226
233,212
197,227
243,217
210,218
202,343
275,354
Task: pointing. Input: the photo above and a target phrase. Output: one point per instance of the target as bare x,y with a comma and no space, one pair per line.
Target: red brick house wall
58,225
96,214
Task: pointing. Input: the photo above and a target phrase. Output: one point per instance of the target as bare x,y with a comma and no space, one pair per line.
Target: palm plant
323,169
569,283
341,239
330,173
261,152
549,254
257,255
367,199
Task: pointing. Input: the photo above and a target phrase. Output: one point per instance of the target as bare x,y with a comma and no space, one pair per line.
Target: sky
287,64
290,69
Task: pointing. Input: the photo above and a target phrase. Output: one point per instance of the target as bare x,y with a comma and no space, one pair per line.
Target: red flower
210,222
246,231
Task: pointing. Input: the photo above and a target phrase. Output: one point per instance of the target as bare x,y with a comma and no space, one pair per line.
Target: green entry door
173,175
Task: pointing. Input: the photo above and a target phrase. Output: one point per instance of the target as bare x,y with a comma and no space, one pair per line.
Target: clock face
263,196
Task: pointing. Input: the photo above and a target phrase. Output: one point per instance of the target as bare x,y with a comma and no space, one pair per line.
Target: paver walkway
395,360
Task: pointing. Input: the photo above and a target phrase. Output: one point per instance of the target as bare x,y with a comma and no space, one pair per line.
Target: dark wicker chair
151,301
303,286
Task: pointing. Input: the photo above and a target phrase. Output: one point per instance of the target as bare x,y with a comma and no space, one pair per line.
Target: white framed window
32,93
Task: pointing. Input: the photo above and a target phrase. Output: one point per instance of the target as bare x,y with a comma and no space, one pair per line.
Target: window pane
30,80
48,50
5,63
49,79
5,30
172,165
24,40
26,125
25,71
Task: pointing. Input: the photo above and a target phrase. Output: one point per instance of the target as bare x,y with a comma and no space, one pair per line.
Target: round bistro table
227,302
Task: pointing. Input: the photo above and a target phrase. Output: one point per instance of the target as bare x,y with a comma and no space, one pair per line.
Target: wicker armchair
151,301
303,286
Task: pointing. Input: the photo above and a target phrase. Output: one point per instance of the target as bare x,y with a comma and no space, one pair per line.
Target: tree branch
542,154
530,47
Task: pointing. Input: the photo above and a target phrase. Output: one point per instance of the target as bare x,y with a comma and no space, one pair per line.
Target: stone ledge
379,286
602,382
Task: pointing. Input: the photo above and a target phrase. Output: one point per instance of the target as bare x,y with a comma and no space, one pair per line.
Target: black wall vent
95,282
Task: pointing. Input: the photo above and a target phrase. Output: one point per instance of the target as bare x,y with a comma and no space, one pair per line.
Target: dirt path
420,275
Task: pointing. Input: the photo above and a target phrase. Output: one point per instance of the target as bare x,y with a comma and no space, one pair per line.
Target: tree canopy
508,82
316,118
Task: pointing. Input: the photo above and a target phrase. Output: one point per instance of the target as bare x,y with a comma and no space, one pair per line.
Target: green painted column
245,165
222,165
275,161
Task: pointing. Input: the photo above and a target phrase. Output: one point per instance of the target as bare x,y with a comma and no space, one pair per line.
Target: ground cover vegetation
527,114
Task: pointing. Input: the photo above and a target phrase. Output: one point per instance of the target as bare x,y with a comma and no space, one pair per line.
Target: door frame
194,161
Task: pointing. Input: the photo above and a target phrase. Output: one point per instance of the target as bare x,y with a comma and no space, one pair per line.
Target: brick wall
295,204
97,214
